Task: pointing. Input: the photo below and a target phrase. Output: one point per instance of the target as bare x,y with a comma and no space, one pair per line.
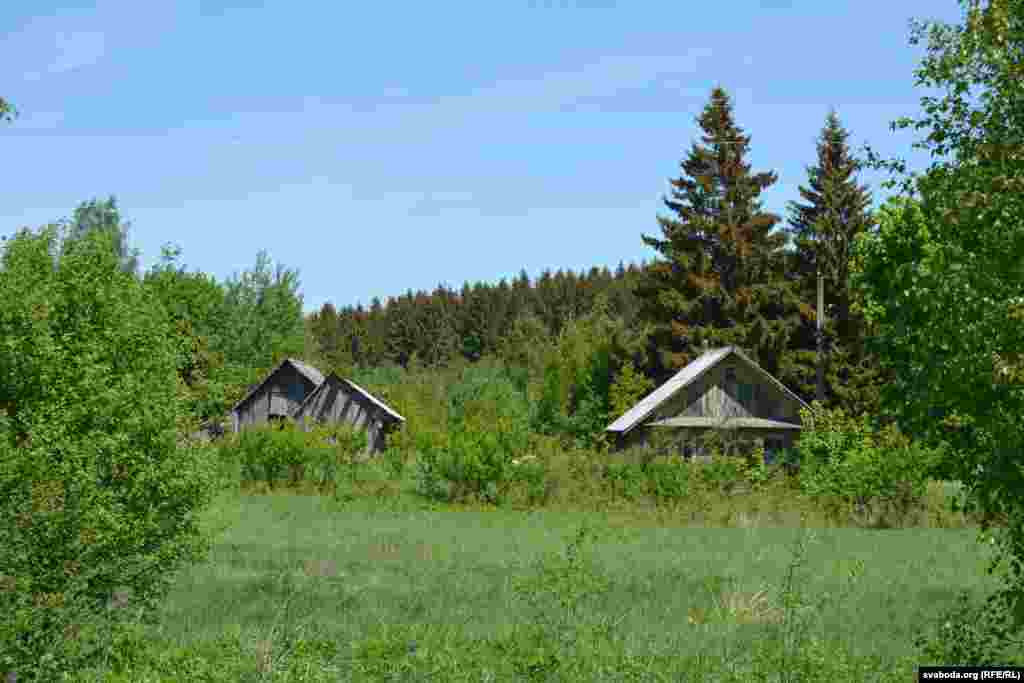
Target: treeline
438,327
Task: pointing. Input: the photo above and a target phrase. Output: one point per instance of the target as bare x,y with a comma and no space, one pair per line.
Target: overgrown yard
303,587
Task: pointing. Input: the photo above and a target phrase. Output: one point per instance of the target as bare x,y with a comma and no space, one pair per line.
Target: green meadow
387,587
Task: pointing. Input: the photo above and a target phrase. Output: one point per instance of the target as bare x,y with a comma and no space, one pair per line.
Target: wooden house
722,389
278,396
297,390
342,400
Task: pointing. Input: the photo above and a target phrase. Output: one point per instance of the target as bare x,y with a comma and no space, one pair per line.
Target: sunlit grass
305,587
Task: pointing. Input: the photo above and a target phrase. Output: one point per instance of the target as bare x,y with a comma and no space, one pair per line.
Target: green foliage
98,500
524,344
943,279
486,392
195,303
970,633
263,320
846,461
272,452
486,431
102,216
629,387
576,384
472,464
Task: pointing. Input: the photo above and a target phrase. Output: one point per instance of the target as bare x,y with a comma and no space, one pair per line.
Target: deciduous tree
96,494
944,276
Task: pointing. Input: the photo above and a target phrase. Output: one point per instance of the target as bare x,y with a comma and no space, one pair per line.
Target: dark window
745,395
296,391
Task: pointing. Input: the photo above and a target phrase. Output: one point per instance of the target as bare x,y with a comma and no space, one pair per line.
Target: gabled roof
635,415
304,369
356,388
373,399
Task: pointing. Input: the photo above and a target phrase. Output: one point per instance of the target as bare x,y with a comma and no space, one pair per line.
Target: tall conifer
720,278
835,211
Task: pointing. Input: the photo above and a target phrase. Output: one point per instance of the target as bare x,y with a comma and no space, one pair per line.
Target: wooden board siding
694,437
708,396
712,396
335,402
281,395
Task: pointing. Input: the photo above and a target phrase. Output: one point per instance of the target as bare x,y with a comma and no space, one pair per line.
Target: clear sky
382,146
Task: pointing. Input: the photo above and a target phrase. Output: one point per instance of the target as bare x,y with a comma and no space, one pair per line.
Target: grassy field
307,588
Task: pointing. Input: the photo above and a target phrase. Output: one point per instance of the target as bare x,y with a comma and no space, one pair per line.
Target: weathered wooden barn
297,390
342,400
722,389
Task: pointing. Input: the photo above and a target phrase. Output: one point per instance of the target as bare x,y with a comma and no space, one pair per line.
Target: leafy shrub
669,482
472,461
971,633
99,503
849,464
267,452
486,430
624,479
486,392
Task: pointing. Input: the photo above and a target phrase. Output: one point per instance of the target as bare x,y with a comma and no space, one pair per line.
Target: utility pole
821,337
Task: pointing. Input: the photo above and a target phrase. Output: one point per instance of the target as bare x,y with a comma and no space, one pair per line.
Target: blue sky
378,147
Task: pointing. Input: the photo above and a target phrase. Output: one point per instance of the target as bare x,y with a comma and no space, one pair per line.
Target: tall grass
306,588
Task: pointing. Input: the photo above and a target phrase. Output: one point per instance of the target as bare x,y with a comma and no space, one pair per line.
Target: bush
267,452
98,501
850,465
486,431
971,634
472,460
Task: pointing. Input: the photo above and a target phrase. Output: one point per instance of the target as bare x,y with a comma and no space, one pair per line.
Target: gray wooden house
342,400
297,390
722,389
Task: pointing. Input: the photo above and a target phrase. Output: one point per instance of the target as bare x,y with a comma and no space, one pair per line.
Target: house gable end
721,383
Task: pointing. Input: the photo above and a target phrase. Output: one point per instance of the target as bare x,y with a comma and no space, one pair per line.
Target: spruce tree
823,229
720,279
837,210
441,342
375,324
